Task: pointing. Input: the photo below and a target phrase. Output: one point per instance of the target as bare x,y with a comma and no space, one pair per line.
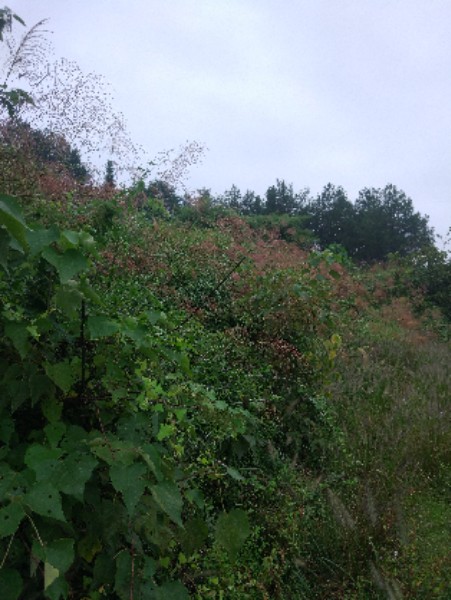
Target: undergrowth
212,412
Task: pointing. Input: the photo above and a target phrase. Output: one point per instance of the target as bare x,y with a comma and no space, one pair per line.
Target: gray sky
353,92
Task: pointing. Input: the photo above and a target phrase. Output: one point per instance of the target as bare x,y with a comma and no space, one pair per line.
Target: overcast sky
353,92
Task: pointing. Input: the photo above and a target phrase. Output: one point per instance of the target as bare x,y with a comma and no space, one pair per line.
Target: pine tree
110,178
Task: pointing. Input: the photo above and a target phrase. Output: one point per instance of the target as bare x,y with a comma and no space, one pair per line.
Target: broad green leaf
70,238
101,326
196,496
58,589
60,554
234,474
50,574
19,392
10,584
232,529
152,458
172,590
165,431
134,428
194,536
11,218
153,316
180,413
88,547
113,451
68,300
19,335
149,568
12,484
10,518
52,409
123,575
68,264
104,572
44,499
86,240
135,331
54,432
167,495
129,481
42,460
71,474
75,439
77,239
7,429
40,385
185,363
40,238
88,292
63,374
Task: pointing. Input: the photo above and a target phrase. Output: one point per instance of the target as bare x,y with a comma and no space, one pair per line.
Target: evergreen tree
331,217
165,192
280,199
232,198
110,178
386,222
251,204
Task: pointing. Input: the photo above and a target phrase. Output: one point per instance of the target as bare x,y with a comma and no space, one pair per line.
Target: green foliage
281,199
211,412
386,222
6,20
430,271
82,427
11,99
164,192
110,178
331,218
381,221
291,228
232,529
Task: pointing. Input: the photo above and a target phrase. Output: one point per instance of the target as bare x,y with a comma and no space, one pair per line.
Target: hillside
194,407
233,397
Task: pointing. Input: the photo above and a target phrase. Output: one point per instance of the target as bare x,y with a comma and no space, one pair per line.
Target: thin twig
7,550
35,530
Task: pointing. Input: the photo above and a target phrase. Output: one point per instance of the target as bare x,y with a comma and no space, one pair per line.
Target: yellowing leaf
50,574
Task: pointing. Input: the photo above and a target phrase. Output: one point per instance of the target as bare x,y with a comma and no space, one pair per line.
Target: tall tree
280,199
232,198
331,217
110,178
251,204
386,222
166,193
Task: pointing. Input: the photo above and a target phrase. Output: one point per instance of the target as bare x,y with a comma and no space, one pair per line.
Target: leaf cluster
96,412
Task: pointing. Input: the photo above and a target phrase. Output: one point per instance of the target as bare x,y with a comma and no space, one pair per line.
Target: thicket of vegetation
199,403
